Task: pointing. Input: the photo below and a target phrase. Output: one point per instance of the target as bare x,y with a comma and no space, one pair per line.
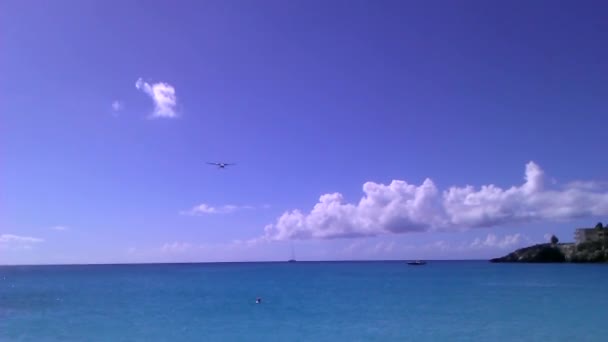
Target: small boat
417,262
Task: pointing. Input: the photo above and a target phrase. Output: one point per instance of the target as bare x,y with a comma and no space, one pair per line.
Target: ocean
305,301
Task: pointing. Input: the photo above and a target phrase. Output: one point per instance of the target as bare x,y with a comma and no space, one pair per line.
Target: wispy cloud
380,247
213,248
493,241
163,95
369,248
489,242
60,228
354,246
176,247
17,242
400,207
250,242
117,106
384,247
9,238
205,209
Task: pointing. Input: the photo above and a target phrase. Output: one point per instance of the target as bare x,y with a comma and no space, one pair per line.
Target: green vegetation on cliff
590,252
537,253
554,252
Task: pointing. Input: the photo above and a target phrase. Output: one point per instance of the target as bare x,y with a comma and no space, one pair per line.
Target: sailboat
293,257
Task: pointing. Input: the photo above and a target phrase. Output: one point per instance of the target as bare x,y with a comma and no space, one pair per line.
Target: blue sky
109,111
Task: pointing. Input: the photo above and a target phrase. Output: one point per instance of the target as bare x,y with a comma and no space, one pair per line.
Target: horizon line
236,262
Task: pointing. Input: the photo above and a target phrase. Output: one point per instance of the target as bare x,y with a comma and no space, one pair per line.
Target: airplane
221,165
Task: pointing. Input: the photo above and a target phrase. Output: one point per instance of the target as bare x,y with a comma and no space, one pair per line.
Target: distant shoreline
592,252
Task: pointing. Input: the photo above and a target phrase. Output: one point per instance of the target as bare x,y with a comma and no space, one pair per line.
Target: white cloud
59,228
163,95
369,248
10,238
218,249
203,209
588,185
176,247
117,106
492,241
441,245
16,242
250,242
400,207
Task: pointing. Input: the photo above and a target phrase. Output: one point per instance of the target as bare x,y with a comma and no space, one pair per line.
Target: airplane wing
213,163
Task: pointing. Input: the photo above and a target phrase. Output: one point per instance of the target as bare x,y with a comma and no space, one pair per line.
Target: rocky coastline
594,252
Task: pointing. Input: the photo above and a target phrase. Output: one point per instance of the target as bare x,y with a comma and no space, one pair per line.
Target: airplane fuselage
220,165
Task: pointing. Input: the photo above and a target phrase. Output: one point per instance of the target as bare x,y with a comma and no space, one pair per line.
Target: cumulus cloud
400,207
163,95
205,209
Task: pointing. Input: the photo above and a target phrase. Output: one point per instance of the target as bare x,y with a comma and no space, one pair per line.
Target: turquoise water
346,301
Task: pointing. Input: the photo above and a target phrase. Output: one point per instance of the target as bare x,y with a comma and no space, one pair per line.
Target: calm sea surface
345,301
